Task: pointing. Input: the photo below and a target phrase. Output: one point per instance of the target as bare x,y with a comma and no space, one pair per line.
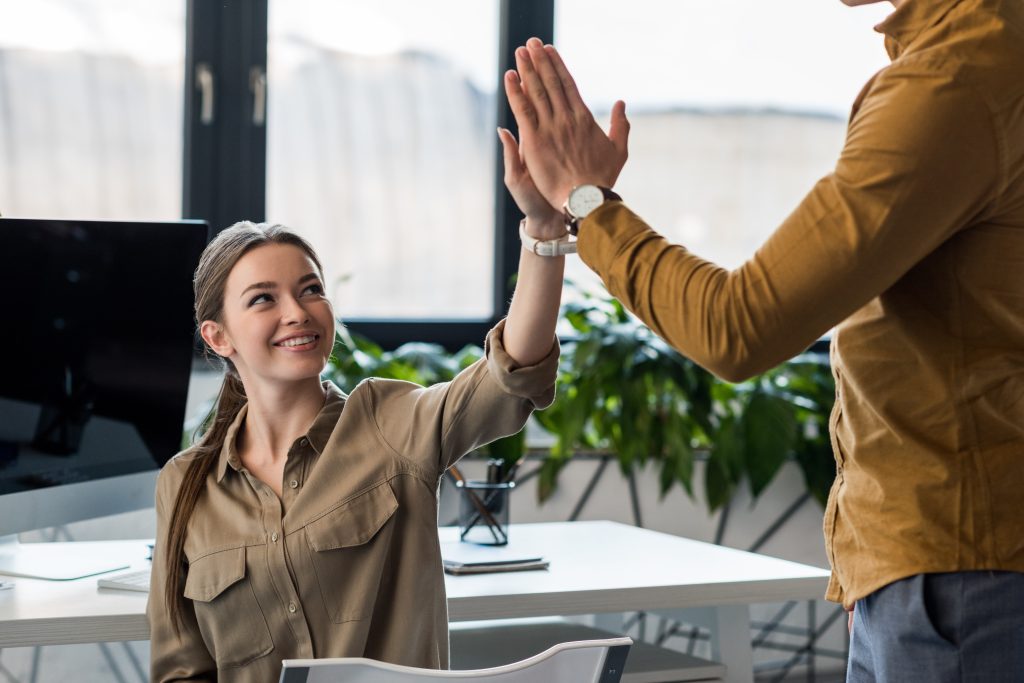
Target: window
91,99
737,106
377,139
381,149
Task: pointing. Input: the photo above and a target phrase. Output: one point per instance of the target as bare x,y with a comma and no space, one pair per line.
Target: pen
492,524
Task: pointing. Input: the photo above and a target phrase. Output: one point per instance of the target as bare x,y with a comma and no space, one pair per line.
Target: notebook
470,558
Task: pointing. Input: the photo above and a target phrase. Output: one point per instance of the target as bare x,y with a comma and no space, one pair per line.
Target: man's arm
920,162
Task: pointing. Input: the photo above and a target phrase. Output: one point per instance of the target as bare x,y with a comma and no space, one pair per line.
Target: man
914,247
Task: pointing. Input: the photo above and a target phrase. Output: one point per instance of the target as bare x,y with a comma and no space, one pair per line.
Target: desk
596,567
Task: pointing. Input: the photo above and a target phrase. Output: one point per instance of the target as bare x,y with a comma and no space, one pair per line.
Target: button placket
277,562
293,467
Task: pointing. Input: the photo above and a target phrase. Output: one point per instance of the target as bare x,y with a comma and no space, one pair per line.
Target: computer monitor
95,358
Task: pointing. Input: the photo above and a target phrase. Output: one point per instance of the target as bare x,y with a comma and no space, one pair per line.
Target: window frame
224,161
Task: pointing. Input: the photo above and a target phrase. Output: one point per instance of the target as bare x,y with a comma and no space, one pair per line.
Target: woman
303,523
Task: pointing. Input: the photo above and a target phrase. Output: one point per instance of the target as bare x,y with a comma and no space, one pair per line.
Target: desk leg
730,642
611,621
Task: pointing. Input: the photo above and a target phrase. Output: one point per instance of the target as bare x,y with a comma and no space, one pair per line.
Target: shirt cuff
534,382
603,234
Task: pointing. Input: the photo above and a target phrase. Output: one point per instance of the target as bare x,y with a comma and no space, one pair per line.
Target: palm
528,197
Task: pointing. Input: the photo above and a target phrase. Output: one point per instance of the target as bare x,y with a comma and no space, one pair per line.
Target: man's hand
561,142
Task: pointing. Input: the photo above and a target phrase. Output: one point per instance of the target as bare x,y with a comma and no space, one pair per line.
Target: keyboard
134,580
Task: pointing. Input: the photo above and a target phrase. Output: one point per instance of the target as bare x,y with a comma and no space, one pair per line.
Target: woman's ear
216,337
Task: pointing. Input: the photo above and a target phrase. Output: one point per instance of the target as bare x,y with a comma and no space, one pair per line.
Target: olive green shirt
914,246
347,562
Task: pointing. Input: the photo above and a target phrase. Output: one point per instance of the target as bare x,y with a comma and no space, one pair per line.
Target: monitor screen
98,348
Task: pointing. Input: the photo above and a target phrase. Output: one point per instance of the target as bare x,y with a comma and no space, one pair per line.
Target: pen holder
483,511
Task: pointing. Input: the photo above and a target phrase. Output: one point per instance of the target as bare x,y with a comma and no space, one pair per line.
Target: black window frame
225,159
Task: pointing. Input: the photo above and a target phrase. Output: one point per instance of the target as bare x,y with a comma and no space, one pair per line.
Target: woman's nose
294,311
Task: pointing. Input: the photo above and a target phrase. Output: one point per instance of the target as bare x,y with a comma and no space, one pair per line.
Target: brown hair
215,264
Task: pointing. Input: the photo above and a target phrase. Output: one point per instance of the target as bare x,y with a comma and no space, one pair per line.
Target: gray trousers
941,628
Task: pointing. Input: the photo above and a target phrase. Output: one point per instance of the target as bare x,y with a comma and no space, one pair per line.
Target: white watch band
560,247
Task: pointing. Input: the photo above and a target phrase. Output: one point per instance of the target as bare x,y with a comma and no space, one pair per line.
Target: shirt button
294,484
273,537
292,608
303,441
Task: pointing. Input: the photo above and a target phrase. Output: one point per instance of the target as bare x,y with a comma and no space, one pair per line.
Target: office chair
583,661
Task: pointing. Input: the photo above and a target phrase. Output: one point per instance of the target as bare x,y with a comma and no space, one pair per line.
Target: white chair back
584,661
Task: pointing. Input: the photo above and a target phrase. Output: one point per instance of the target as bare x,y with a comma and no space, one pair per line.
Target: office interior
369,127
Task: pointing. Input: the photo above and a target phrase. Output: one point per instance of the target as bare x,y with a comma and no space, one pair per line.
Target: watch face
584,199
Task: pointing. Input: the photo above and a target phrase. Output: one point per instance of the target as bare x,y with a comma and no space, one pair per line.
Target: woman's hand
543,221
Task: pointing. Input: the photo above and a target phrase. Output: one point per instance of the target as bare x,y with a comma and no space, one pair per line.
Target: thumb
618,131
510,152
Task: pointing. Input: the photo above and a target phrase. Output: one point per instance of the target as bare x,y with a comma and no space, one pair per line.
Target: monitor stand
64,561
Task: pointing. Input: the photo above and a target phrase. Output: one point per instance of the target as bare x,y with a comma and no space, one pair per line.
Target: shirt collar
318,433
909,20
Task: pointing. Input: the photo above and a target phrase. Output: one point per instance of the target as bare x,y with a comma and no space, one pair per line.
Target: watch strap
559,247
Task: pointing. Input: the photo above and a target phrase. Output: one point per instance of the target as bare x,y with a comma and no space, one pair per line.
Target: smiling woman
280,329
303,522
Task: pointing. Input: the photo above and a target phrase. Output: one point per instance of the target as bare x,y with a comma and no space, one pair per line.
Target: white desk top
611,567
595,567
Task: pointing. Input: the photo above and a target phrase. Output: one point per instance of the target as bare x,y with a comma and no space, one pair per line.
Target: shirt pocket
350,546
230,619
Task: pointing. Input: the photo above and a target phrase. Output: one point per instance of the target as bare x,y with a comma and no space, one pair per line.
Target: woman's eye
314,289
260,299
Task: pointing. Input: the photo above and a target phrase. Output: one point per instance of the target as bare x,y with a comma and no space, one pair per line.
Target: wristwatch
582,200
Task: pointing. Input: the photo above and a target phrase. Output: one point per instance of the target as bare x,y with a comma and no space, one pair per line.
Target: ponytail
229,402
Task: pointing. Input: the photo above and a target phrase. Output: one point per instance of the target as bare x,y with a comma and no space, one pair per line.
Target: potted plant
623,390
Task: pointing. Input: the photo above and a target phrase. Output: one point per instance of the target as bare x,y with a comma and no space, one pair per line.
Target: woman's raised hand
543,220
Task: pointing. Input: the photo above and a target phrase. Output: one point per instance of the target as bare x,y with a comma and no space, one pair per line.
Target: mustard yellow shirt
347,562
914,246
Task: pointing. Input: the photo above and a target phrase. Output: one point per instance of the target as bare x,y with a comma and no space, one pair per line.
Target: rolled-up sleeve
439,424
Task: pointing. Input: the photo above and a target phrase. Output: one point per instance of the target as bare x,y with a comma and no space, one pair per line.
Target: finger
548,76
510,151
618,130
571,92
522,108
532,85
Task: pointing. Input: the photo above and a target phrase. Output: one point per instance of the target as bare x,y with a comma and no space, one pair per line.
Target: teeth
297,341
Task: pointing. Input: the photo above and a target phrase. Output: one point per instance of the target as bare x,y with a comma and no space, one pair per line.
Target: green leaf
717,485
727,449
547,478
769,436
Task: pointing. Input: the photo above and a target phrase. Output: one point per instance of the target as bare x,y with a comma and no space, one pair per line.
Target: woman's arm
496,395
530,326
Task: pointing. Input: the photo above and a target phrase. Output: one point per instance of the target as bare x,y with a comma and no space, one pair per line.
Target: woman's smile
296,343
